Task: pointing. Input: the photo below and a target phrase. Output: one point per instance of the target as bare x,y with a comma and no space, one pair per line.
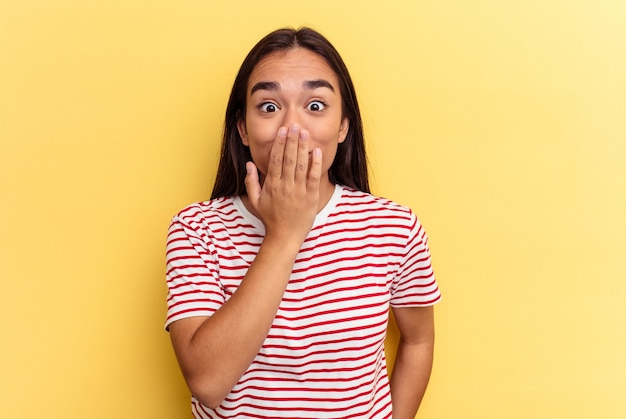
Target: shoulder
376,215
355,201
206,213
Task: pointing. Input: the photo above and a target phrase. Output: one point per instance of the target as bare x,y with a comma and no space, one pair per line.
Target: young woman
280,285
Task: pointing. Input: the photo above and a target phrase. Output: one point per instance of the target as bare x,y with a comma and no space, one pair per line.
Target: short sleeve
415,284
192,273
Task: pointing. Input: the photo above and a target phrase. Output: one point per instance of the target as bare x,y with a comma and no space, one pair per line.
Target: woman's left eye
316,106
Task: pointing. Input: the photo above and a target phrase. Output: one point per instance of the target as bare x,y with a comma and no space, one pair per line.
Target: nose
292,116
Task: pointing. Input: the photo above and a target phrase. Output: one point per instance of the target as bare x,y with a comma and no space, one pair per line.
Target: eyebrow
308,85
265,85
314,84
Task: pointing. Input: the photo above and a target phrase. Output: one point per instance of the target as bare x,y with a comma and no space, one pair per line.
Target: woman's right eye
268,107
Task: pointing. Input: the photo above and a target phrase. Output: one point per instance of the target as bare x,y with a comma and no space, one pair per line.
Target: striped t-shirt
324,354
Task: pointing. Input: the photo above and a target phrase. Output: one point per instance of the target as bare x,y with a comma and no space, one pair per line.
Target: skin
294,90
414,359
293,124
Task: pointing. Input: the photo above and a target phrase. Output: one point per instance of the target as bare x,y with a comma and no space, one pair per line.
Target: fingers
302,158
289,157
253,187
315,171
288,199
275,164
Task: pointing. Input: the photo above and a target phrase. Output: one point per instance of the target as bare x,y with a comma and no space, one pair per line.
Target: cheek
260,156
260,145
260,131
325,137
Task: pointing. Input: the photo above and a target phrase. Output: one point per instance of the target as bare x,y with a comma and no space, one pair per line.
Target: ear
243,132
343,129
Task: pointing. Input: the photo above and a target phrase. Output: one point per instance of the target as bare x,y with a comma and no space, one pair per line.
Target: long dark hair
350,165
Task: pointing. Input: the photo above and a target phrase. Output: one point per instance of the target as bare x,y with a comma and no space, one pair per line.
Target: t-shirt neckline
320,218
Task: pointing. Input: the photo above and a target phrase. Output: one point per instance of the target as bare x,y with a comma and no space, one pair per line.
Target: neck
326,192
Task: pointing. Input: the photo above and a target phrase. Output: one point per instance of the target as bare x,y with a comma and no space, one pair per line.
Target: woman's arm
414,358
214,352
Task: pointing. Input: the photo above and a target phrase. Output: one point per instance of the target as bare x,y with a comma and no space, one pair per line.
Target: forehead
295,65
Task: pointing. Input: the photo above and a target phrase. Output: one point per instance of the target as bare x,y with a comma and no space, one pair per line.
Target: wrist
286,244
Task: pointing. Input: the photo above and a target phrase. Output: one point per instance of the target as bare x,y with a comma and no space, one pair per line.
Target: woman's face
290,87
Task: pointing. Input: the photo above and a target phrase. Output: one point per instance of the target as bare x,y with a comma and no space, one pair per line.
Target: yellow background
501,123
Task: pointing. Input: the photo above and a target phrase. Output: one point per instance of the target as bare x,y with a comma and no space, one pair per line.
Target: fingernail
317,152
295,128
282,132
304,134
